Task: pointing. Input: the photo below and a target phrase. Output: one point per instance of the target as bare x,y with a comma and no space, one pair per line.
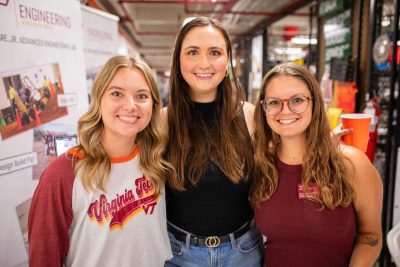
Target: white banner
100,40
42,79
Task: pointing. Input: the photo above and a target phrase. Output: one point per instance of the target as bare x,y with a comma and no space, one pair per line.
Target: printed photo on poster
50,141
91,74
22,213
28,98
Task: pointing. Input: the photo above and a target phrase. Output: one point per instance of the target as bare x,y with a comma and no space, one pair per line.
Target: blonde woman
103,203
318,203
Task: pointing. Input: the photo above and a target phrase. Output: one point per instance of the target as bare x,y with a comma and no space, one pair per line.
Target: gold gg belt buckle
212,241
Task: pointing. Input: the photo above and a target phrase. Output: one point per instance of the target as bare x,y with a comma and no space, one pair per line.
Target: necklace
289,158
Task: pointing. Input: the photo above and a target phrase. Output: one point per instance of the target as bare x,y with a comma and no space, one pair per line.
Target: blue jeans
245,251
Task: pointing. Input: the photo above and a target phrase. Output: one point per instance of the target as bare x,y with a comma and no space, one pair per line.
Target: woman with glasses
317,202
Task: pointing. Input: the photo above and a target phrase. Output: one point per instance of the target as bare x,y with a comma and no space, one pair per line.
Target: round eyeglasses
296,104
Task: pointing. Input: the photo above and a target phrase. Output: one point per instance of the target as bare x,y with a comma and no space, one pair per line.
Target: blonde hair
323,162
95,164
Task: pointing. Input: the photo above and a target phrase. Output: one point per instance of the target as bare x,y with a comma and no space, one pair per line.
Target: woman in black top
209,144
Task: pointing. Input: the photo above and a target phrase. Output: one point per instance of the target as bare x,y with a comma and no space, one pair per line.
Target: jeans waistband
208,241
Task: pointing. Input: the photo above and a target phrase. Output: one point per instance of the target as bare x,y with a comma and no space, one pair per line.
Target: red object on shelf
372,108
289,32
391,54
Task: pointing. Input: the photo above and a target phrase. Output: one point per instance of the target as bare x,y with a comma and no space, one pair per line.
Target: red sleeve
50,214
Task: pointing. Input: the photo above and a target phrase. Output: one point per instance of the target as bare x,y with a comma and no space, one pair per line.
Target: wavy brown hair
95,165
227,145
323,162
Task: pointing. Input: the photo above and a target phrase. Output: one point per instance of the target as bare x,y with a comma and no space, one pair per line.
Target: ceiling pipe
250,13
132,35
242,5
226,8
241,13
177,2
268,21
187,11
129,20
126,18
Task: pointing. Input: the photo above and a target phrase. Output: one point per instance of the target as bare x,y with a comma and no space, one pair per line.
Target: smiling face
203,62
126,106
287,123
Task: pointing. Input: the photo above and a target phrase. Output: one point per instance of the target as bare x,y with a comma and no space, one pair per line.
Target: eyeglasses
296,104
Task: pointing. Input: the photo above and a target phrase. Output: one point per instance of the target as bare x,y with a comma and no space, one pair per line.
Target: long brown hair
227,145
323,162
96,165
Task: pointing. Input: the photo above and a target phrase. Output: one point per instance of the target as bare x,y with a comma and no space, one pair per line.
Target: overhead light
167,73
289,50
385,21
213,1
303,40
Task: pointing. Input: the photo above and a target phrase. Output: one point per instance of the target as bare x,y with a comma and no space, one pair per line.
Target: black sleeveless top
215,205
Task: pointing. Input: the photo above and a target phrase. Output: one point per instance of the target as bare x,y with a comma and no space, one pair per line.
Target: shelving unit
384,84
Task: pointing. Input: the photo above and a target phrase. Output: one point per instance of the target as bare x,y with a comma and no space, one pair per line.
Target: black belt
209,241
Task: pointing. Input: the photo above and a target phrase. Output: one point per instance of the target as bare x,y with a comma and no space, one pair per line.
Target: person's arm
368,207
248,110
50,215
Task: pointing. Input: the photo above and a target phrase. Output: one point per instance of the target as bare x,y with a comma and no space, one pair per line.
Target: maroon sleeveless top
298,232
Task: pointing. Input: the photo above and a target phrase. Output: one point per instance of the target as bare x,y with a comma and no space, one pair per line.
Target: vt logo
4,2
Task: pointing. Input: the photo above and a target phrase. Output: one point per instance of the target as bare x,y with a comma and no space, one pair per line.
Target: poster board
41,56
100,41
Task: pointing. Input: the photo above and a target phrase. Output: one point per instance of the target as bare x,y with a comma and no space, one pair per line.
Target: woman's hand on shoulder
367,204
248,110
338,132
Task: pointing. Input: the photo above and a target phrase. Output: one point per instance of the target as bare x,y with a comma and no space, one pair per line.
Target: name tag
312,191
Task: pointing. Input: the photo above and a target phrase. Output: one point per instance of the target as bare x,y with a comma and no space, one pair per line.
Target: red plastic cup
360,123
